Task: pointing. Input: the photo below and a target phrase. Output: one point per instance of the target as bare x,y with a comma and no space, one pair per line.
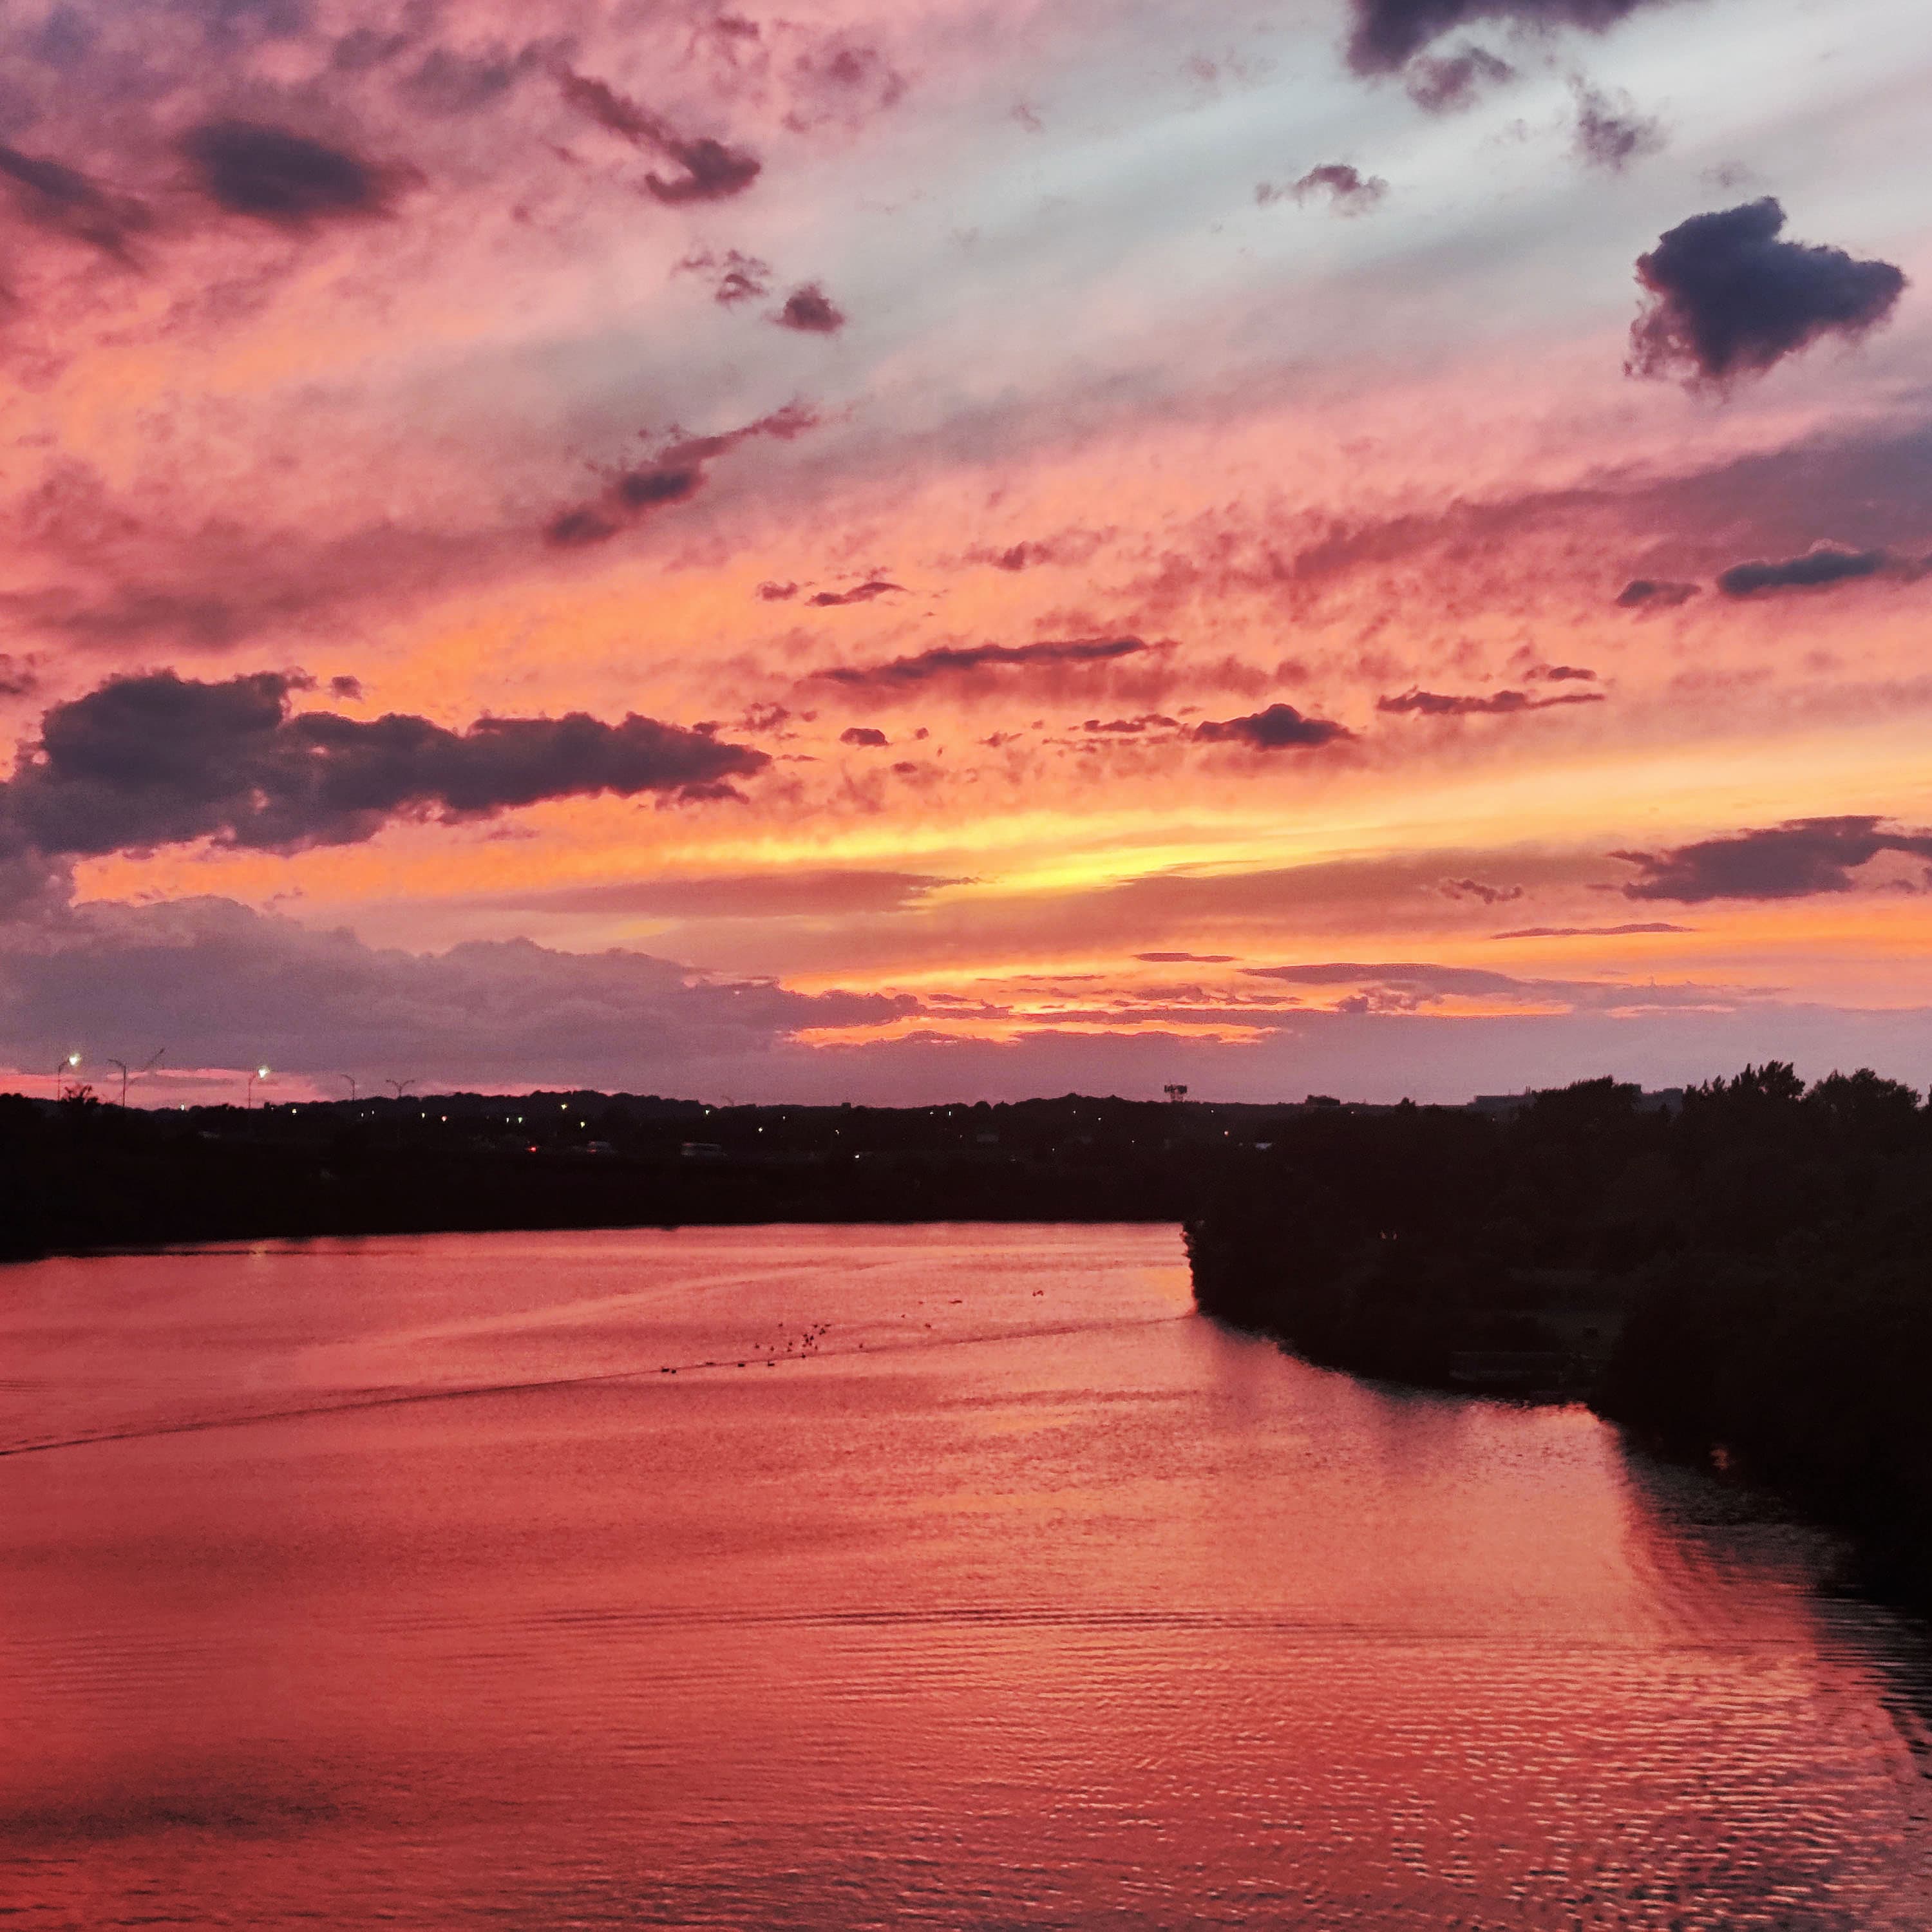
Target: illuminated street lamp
61,1072
260,1073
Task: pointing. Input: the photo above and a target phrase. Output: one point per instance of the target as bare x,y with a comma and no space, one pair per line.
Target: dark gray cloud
859,593
676,471
1825,564
1477,889
63,201
711,170
1279,728
1610,133
274,176
863,734
18,676
812,311
157,759
1561,674
1388,33
970,660
1348,190
1796,859
1490,704
1187,958
225,986
772,592
1133,728
1727,297
1448,83
1651,593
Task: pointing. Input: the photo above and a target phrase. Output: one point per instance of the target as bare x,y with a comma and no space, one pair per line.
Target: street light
147,1066
260,1073
351,1079
61,1072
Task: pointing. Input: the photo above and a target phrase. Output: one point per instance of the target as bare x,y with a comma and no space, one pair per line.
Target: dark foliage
1745,1276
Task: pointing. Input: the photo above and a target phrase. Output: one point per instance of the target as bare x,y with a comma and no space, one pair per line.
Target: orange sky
1071,484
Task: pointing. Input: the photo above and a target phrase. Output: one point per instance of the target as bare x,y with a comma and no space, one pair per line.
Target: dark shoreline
1746,1268
1747,1280
81,1177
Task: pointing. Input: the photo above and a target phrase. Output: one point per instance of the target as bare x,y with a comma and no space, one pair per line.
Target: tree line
1745,1275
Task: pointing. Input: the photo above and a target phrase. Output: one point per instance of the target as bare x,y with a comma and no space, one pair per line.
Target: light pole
260,1073
399,1088
351,1079
63,1070
123,1065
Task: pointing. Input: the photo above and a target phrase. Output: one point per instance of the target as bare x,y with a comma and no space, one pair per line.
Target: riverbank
82,1177
1746,1279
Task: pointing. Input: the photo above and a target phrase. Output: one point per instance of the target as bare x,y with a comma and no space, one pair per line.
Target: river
854,1577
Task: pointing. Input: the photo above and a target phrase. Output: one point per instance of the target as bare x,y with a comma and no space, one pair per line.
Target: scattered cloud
734,277
156,759
207,974
965,661
676,471
711,170
1388,33
1561,674
1490,704
1727,297
1187,958
1475,888
773,592
1651,593
1449,83
1074,546
1610,134
272,174
1280,728
1823,564
64,201
812,311
810,893
1412,986
863,734
1590,932
859,593
1796,859
1348,190
1425,980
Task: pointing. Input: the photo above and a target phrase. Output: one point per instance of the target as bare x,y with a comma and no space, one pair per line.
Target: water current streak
408,1398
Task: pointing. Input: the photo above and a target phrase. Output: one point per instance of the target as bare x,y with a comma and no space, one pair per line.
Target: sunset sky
957,551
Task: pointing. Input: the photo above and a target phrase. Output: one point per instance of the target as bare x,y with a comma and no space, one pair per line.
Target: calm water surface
395,1584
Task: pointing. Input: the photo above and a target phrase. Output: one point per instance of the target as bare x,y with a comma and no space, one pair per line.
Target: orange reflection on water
994,1588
